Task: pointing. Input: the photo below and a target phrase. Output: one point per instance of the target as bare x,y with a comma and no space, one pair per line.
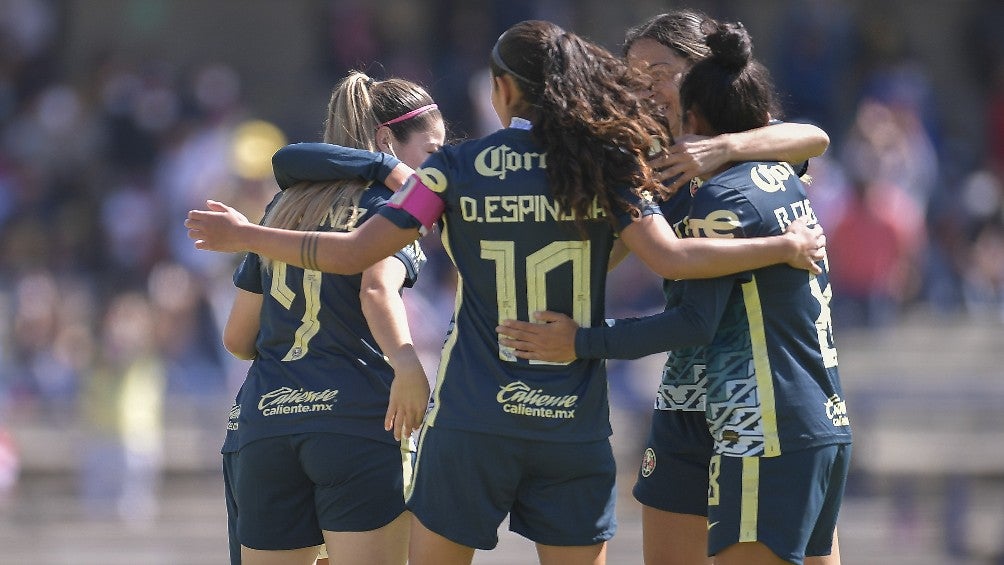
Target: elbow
373,296
281,157
280,162
240,350
822,145
240,346
820,141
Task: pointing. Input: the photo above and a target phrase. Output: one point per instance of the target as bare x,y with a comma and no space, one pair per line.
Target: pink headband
410,114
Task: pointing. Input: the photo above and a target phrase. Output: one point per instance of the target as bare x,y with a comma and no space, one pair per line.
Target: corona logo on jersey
286,400
771,178
498,160
836,411
648,462
518,398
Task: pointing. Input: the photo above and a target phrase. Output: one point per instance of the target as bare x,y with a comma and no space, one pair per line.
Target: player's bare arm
697,156
651,239
222,228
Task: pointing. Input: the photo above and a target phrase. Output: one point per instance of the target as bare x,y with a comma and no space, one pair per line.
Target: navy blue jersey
323,161
516,253
773,383
318,367
683,375
683,380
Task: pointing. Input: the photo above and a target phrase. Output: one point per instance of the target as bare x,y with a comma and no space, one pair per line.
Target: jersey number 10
538,265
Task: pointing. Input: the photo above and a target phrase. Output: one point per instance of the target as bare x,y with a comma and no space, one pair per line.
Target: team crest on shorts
648,462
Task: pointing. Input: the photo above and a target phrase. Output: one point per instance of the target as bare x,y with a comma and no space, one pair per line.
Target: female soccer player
313,452
673,479
664,48
528,215
766,388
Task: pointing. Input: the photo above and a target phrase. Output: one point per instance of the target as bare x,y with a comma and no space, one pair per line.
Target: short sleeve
314,162
248,274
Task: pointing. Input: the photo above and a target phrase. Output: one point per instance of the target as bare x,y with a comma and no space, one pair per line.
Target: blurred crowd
111,320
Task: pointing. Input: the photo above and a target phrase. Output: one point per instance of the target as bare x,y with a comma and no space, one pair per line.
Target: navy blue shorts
283,491
554,493
789,503
674,468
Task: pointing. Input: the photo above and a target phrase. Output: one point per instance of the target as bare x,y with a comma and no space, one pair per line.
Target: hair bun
730,45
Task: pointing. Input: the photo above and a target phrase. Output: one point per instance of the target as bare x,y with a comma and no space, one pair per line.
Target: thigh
429,548
387,545
567,494
670,538
464,484
274,497
358,483
778,502
302,556
580,555
673,476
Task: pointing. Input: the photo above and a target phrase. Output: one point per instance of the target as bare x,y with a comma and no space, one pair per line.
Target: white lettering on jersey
785,215
518,398
518,209
497,161
286,400
770,178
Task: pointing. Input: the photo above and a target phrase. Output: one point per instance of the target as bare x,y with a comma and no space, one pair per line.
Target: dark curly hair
580,97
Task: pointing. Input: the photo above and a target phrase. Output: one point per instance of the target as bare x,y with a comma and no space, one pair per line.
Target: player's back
318,366
772,366
516,252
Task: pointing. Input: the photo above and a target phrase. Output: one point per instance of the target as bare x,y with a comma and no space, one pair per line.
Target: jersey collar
520,123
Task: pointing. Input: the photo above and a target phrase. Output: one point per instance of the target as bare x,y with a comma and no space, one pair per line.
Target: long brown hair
580,99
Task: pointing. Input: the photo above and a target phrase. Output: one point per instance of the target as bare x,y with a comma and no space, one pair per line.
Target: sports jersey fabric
516,252
682,333
773,383
324,161
318,367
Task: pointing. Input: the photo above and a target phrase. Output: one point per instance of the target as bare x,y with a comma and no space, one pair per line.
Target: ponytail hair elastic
409,115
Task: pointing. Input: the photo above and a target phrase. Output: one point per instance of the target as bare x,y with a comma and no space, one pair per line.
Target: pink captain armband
420,201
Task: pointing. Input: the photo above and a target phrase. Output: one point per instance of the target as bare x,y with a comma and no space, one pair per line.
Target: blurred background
118,116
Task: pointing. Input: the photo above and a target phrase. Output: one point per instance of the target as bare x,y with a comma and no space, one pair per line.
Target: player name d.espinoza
518,208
